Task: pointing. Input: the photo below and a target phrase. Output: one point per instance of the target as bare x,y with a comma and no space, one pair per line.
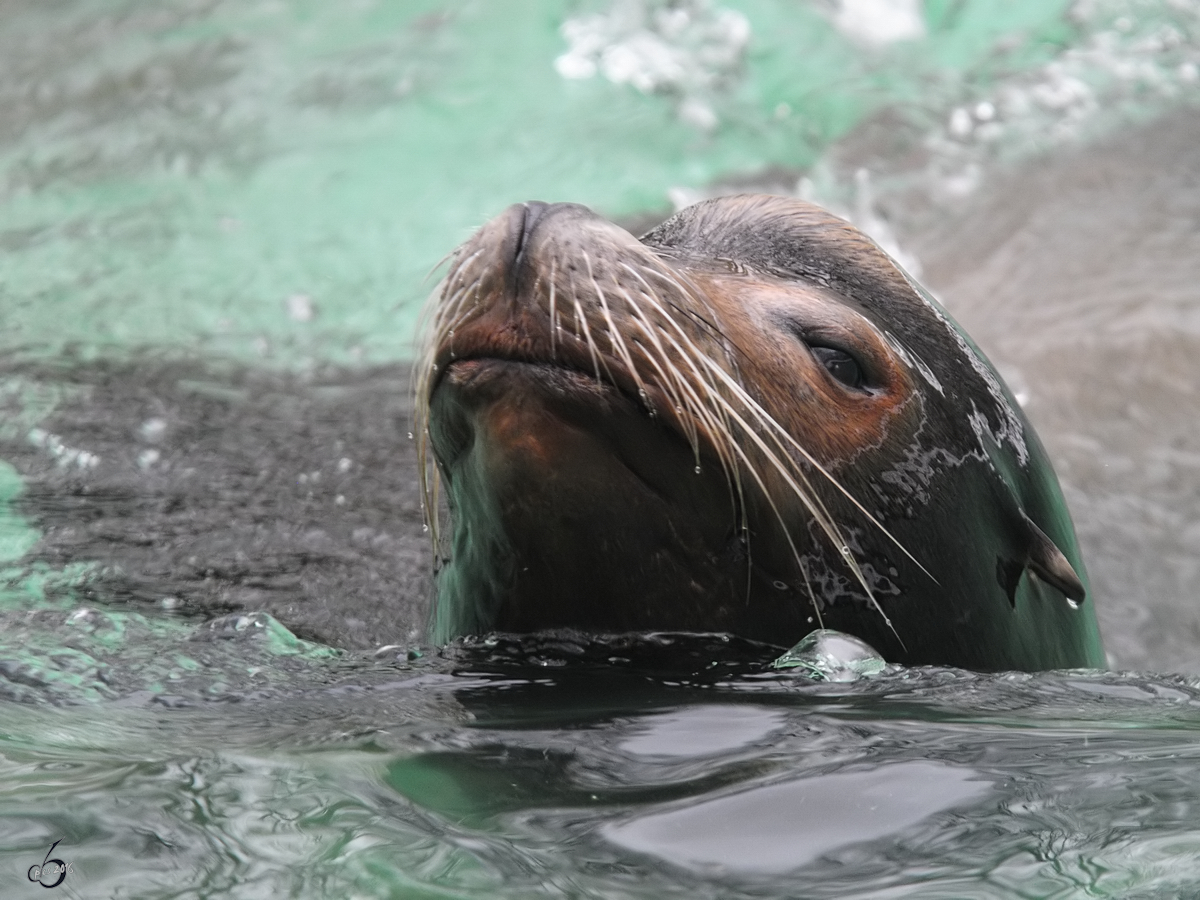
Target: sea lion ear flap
1051,565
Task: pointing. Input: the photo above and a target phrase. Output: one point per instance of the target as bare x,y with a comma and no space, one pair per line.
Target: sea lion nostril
533,212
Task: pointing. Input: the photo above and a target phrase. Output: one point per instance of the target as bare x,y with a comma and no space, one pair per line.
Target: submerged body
750,421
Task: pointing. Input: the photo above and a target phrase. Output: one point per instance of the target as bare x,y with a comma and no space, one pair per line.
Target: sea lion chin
750,420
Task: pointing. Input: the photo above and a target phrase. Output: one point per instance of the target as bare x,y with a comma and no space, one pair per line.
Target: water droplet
1074,604
697,470
410,435
779,585
424,527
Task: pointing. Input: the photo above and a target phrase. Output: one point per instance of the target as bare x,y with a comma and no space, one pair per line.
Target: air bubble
827,655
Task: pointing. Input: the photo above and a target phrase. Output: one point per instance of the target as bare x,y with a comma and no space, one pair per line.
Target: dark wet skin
566,495
576,500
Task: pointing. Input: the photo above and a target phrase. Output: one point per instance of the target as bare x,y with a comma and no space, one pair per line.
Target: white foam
686,49
880,22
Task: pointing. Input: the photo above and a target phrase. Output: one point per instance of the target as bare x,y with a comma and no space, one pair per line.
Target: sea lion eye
841,365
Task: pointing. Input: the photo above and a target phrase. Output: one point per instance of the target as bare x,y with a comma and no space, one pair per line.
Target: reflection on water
511,781
778,828
215,214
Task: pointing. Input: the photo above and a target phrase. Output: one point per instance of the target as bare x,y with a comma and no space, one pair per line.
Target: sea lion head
750,420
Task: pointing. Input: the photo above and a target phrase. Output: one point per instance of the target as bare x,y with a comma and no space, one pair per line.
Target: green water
221,217
173,172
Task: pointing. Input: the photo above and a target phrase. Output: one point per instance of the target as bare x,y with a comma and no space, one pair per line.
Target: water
216,219
601,778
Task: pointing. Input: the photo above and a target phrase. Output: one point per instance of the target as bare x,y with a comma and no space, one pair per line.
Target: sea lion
750,420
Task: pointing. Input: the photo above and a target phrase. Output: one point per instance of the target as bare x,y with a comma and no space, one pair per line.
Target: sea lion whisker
713,426
812,595
615,340
553,310
581,320
692,350
816,510
690,292
696,300
446,313
688,352
689,401
432,307
429,484
694,403
461,305
669,375
681,283
429,492
787,533
447,309
437,265
453,318
793,477
459,265
683,397
777,431
807,497
714,421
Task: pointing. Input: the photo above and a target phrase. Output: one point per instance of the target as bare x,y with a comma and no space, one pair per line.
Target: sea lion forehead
783,236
